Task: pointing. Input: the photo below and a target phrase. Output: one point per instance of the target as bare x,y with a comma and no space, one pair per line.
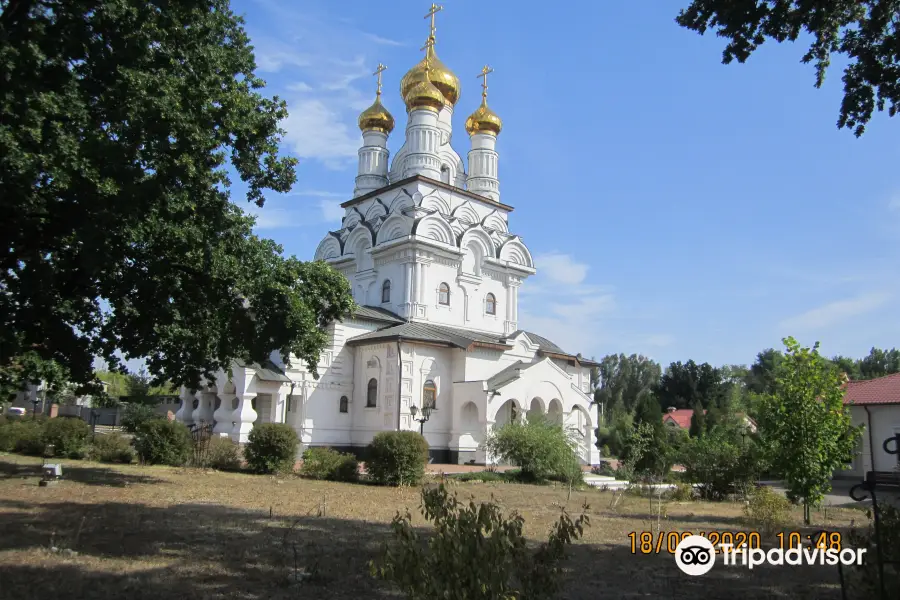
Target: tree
805,428
847,365
684,384
119,236
761,378
698,421
541,448
879,363
865,31
30,368
623,379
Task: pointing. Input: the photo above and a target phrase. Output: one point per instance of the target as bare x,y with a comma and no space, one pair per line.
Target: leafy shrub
271,448
223,454
112,448
719,464
325,463
604,468
68,437
542,449
136,415
397,458
864,578
682,492
163,442
604,451
475,551
767,510
22,435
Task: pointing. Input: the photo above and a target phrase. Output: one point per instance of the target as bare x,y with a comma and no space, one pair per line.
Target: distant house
681,418
874,404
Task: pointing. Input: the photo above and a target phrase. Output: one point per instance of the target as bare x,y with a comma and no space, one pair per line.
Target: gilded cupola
377,117
484,120
420,91
440,76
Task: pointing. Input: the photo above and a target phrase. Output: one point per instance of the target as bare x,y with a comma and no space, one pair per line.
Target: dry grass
157,532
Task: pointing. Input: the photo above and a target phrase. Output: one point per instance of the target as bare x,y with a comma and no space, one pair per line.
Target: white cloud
381,40
299,86
894,203
561,268
316,131
836,312
331,211
658,340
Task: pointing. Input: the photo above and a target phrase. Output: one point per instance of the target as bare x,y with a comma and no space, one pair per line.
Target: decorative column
481,455
243,417
204,412
186,411
222,416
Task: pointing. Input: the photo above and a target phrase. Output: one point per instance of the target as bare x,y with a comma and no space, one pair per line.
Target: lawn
158,532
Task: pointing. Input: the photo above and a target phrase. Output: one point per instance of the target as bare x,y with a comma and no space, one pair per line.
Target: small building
874,404
681,418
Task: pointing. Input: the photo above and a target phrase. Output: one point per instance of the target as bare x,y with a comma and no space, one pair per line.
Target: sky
676,207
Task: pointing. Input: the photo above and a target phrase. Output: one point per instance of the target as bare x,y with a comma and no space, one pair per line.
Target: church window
445,173
386,291
344,403
490,304
372,393
290,402
429,394
444,294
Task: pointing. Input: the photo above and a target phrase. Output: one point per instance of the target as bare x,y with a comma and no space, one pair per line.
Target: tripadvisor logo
696,555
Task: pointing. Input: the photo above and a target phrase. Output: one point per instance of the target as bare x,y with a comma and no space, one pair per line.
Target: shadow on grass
86,474
213,551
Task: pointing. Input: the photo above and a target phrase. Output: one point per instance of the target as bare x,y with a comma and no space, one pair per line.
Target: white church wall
435,364
378,362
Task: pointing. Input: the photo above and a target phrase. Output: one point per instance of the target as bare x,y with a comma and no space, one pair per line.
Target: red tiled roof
884,390
681,417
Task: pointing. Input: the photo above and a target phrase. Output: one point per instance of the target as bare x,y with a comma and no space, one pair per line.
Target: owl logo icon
695,555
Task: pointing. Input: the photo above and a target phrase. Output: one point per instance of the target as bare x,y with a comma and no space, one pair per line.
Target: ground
158,532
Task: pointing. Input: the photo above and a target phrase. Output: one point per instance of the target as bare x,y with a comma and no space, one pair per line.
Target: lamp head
413,410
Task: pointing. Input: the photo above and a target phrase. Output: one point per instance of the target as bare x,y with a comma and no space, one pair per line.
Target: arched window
429,394
445,173
386,291
490,304
344,404
372,393
444,294
290,403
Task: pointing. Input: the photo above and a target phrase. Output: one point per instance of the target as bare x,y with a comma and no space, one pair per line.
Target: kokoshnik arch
432,263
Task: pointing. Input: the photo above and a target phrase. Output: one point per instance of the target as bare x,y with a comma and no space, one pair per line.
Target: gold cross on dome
428,44
435,9
483,75
381,69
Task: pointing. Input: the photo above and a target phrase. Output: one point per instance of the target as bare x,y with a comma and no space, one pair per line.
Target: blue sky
676,207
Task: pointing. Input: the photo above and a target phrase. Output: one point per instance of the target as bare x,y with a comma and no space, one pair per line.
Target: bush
682,492
271,448
542,449
22,435
397,458
223,454
604,468
767,510
719,464
112,448
325,463
475,551
604,451
68,437
163,442
485,476
136,415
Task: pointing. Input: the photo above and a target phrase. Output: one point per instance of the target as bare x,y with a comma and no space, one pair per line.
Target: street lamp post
426,414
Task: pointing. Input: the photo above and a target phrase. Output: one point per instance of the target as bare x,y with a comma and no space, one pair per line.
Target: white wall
885,421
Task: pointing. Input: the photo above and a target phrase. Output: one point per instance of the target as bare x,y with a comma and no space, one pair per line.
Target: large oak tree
118,120
865,32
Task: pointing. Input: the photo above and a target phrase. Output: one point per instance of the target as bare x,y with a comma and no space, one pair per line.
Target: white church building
435,269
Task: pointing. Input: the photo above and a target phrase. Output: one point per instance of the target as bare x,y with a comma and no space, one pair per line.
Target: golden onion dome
376,118
484,120
424,94
440,76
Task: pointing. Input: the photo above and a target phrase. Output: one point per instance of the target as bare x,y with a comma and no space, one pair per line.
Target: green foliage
136,415
328,464
720,463
540,448
879,363
22,435
805,427
122,125
623,380
223,454
68,437
698,421
865,32
271,448
683,385
864,578
112,448
163,442
475,552
604,468
486,476
767,510
397,458
682,492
